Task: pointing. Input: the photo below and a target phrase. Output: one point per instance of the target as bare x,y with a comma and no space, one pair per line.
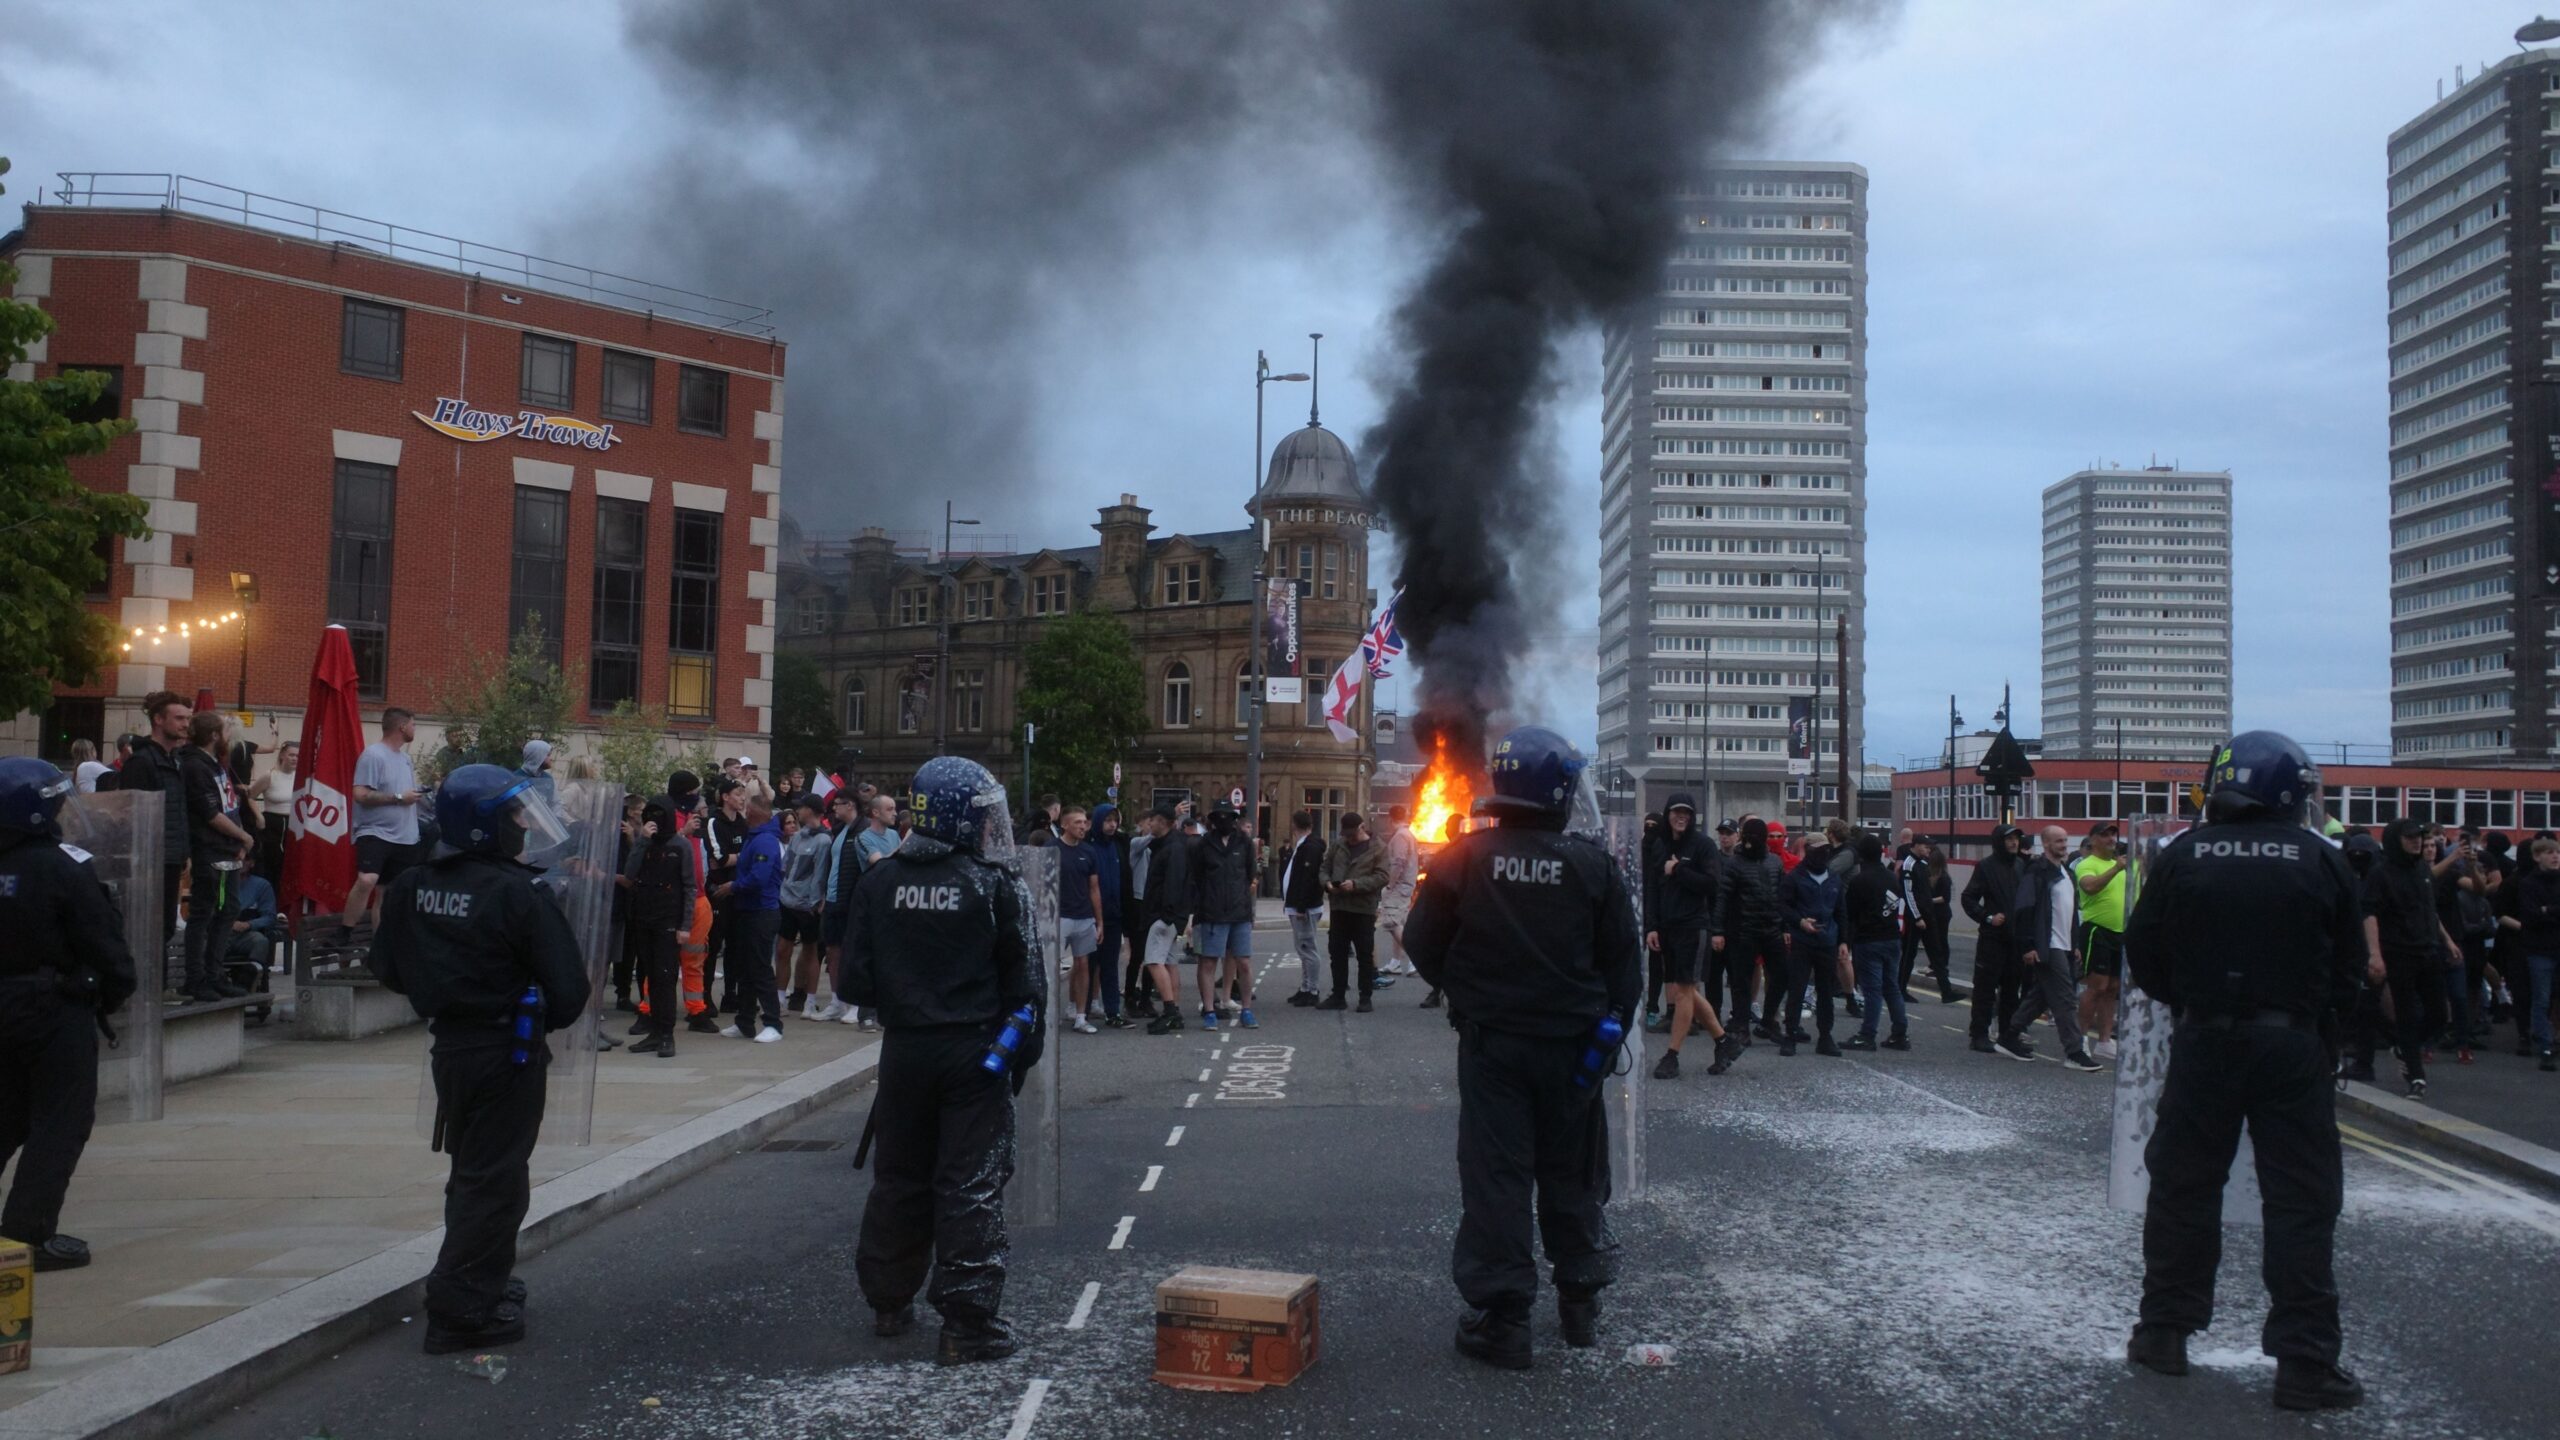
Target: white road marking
2536,1212
1919,1089
1173,1139
1028,1410
1120,1236
1214,1054
1154,1174
1084,1304
1204,1077
1191,1099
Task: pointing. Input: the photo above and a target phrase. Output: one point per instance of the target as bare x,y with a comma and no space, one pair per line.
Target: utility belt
2261,1019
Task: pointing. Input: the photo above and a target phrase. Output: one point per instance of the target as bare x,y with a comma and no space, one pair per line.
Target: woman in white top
271,795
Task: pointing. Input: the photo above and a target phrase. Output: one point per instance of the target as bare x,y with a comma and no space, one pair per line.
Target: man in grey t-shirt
386,805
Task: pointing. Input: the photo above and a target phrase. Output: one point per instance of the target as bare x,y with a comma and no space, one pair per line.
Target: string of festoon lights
151,635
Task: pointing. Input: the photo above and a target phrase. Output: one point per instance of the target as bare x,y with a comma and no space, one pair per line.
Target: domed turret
1312,466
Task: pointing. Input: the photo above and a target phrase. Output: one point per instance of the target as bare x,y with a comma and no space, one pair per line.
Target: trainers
1668,1067
1085,1027
1431,1001
1165,1023
1382,982
1864,1043
2158,1348
1303,999
1332,1002
1364,1007
1208,1018
2315,1385
1979,1046
62,1252
768,1035
2079,1060
703,1024
2104,1049
731,1032
1824,1046
1897,1042
2417,1089
1728,1050
2548,1063
2015,1047
1654,1023
1245,1018
1117,1022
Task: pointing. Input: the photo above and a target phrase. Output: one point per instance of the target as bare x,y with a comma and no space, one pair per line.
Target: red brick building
426,440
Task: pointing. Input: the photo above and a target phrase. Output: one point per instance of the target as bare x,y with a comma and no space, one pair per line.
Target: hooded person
1999,946
1750,940
661,889
2404,925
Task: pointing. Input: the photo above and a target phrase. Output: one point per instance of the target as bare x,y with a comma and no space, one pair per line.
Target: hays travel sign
453,417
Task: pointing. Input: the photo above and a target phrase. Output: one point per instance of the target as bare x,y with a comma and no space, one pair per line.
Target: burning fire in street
1442,800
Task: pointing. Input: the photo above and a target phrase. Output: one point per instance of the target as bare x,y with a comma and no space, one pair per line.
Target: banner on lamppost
1799,727
1281,661
2540,454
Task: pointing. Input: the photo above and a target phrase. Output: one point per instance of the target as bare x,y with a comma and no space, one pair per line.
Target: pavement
311,1161
1829,1247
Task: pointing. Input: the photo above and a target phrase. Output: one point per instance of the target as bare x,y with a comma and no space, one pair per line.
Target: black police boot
2158,1348
1579,1317
2315,1385
503,1325
1496,1339
889,1324
968,1343
62,1252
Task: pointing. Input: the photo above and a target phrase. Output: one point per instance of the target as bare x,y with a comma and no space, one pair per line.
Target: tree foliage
1086,691
492,709
804,716
638,752
53,530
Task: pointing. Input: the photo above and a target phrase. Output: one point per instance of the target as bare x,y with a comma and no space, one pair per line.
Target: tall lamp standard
244,588
942,647
1813,747
1261,554
1954,722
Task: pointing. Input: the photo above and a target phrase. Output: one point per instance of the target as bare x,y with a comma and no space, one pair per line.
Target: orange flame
1444,799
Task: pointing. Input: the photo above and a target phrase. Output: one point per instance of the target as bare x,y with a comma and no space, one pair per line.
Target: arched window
1244,691
1177,696
857,706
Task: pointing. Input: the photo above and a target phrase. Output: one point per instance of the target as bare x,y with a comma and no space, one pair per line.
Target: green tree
638,752
52,529
493,708
1083,686
804,717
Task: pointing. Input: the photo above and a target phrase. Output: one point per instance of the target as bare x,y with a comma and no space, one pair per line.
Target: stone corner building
871,615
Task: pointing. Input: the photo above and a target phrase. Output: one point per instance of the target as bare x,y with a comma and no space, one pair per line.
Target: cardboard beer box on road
1219,1329
17,1307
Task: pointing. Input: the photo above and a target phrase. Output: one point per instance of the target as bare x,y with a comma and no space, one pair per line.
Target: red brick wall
273,393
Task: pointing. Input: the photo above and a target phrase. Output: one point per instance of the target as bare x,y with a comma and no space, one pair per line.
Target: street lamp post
942,648
1954,721
244,588
1261,556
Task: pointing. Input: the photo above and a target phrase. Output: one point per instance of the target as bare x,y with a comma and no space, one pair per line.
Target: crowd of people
2466,933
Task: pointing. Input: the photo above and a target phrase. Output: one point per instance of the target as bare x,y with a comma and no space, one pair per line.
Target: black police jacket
937,937
1685,898
60,921
2244,916
1530,931
463,935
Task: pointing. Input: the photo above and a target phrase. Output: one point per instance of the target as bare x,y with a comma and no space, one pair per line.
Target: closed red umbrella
320,847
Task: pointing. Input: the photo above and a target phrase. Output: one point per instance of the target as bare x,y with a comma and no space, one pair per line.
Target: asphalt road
1885,1245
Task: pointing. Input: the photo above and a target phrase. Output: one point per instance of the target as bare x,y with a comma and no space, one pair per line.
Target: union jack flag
1383,642
1379,646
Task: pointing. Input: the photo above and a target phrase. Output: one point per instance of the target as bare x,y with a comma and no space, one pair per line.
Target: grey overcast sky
2102,231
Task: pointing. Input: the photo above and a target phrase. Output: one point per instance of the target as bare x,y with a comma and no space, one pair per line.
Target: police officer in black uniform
2248,927
479,950
1532,934
939,941
63,966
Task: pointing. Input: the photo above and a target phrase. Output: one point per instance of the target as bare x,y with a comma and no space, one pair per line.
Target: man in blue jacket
754,896
1817,915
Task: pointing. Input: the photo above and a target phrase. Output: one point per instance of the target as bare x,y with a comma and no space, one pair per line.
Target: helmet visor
544,828
995,823
1582,809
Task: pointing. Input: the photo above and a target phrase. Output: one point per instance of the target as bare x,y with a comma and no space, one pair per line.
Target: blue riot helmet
2262,771
1537,774
487,810
960,803
31,795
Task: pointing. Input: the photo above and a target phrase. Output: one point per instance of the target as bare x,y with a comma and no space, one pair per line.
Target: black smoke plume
1549,139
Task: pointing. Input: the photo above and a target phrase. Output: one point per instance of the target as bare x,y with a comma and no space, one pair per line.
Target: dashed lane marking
1154,1174
1173,1139
1084,1304
1028,1410
1922,1090
1214,1054
1120,1236
1191,1099
1204,1076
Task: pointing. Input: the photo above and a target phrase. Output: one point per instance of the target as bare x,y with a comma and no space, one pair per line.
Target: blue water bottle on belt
528,1013
1000,1054
1604,1044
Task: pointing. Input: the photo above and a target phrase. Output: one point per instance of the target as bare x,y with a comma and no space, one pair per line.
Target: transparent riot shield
2143,1027
1032,1198
1624,837
119,834
576,873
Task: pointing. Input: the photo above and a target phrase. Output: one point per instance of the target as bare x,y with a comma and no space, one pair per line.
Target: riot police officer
2248,927
1531,933
489,962
939,941
63,967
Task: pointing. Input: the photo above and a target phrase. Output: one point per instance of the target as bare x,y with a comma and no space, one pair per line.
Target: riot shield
119,832
2143,1027
1624,837
1032,1198
577,874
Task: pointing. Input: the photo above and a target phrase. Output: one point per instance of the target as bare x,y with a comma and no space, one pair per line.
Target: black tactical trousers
1732,966
1934,940
1524,1127
48,1101
751,937
654,955
2278,1081
942,1153
492,1112
1808,956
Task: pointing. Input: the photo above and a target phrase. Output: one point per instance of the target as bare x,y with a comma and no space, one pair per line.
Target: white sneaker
2104,1049
730,1032
1085,1027
847,1015
767,1035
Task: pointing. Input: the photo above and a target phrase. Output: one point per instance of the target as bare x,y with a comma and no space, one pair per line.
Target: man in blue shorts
1222,907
